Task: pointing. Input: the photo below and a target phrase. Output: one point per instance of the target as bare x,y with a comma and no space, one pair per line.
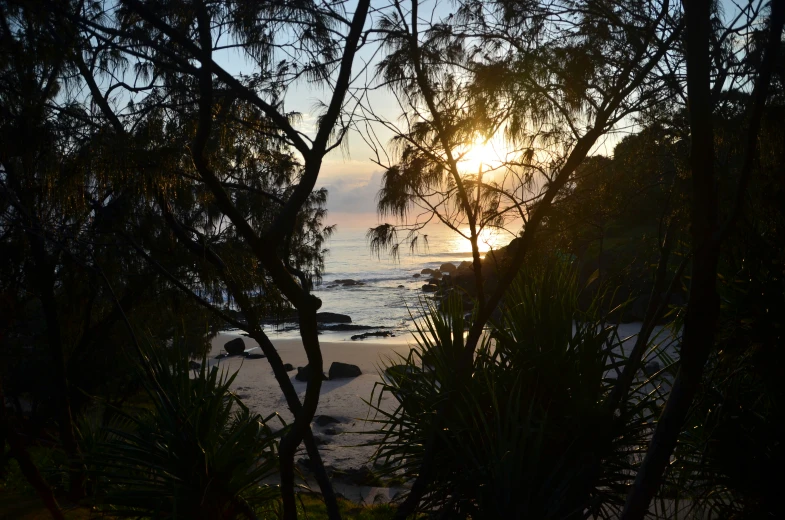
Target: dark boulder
427,271
448,267
430,288
401,287
288,367
304,373
378,333
235,347
651,368
332,317
343,371
416,275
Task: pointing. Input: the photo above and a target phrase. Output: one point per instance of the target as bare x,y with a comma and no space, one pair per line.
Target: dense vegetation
150,197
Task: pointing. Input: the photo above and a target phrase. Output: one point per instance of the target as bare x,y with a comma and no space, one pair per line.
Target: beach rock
288,367
434,281
416,275
194,365
348,327
235,347
447,267
401,287
380,333
427,271
304,373
332,317
430,288
324,420
343,371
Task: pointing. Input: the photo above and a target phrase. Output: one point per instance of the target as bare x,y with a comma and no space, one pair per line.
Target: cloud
353,194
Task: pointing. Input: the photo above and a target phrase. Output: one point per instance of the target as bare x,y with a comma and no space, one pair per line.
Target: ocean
380,302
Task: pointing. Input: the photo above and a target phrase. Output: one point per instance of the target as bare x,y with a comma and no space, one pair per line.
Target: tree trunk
703,306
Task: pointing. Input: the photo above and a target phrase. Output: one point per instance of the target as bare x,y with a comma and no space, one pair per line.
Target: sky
348,172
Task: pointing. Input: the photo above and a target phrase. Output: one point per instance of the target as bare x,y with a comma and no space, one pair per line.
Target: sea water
390,294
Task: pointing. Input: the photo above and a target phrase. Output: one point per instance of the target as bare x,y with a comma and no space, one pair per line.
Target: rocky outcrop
377,334
346,327
288,367
332,317
430,288
340,370
448,267
235,347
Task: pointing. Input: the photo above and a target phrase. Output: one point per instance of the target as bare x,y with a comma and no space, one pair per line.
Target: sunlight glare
482,155
488,239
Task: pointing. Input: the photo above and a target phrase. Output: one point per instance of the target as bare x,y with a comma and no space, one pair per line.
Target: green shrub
198,452
528,434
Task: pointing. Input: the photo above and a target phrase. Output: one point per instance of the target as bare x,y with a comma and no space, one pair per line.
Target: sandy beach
341,443
342,399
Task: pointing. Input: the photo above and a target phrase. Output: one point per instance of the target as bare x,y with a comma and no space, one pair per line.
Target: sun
481,156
